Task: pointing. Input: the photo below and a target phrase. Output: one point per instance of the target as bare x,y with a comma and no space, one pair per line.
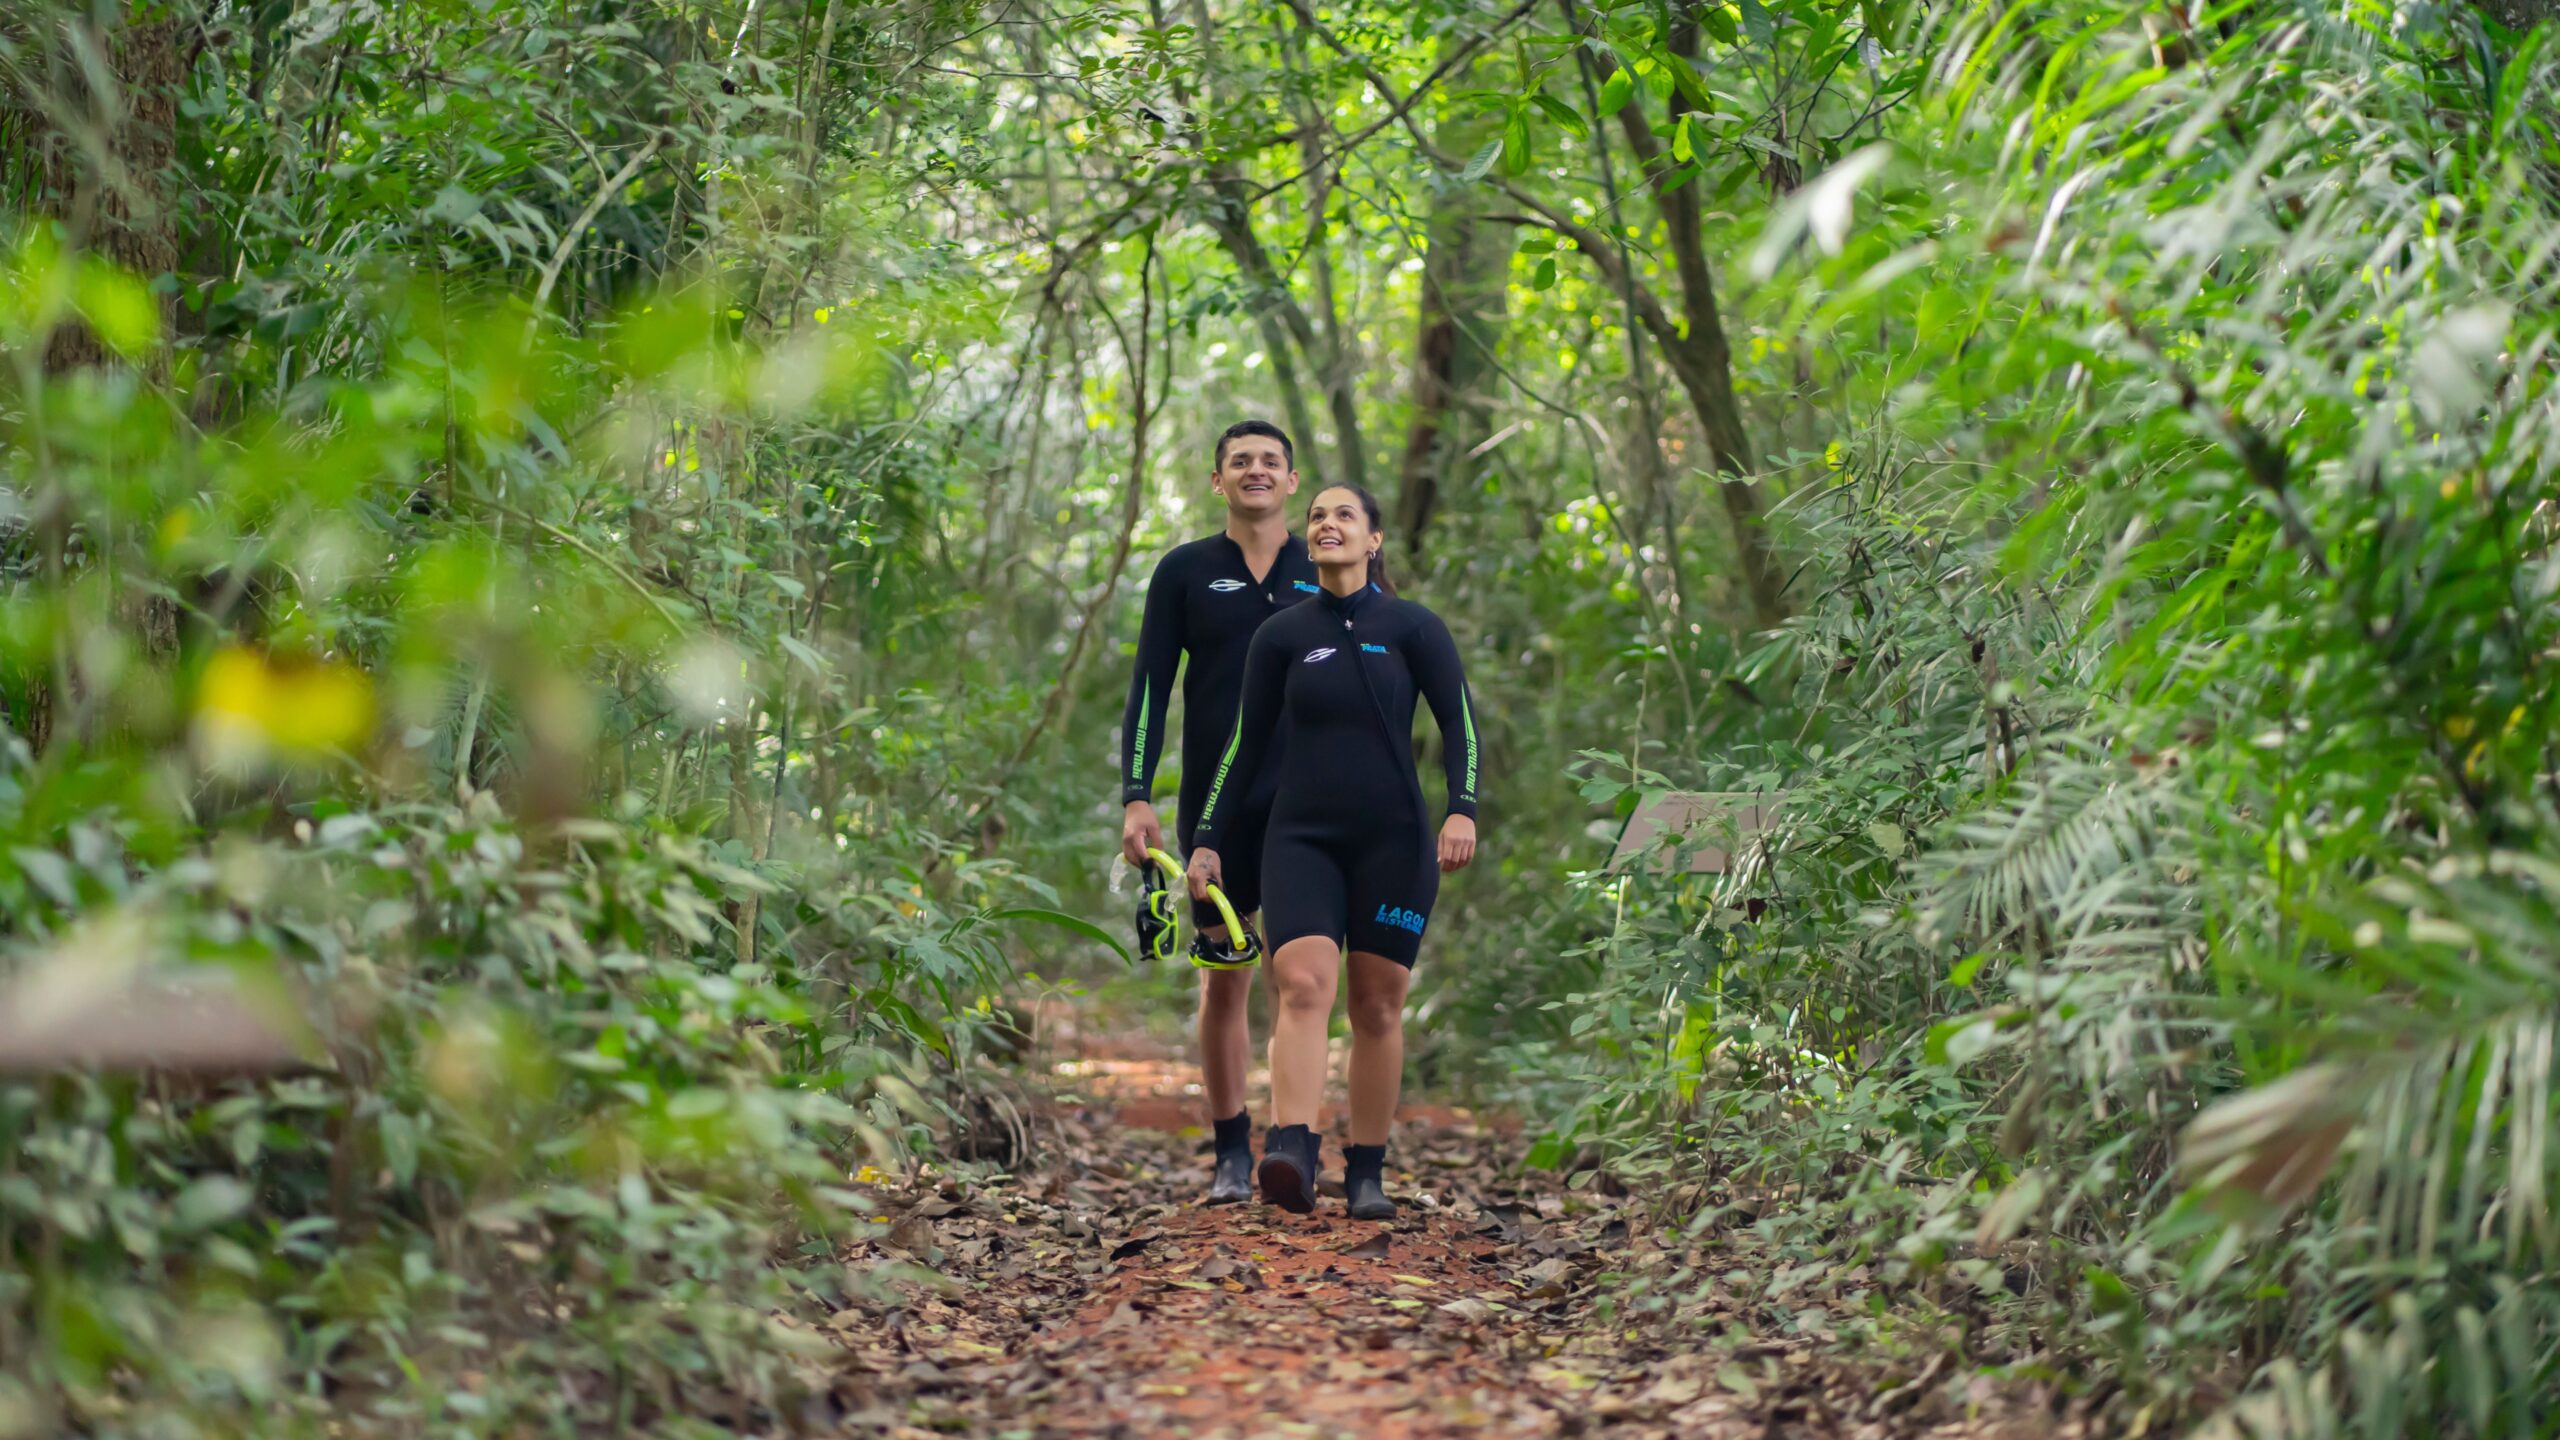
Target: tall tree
1460,312
1228,210
1692,339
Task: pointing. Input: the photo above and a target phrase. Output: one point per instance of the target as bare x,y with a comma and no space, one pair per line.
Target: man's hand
1205,872
1140,832
1457,842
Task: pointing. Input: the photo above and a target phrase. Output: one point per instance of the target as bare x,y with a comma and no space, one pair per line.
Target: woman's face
1338,531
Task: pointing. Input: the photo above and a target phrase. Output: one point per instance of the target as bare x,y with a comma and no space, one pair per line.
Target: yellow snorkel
1242,950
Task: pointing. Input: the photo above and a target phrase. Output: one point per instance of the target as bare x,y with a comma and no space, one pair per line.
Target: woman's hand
1204,872
1457,842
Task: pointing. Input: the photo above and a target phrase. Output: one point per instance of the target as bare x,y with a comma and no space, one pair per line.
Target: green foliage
456,648
2168,810
576,557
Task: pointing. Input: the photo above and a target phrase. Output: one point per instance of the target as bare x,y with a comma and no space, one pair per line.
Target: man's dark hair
1264,428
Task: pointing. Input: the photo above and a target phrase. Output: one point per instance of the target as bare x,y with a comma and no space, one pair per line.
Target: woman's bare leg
1303,977
1378,987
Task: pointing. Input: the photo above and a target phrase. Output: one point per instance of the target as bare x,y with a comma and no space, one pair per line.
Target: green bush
2168,807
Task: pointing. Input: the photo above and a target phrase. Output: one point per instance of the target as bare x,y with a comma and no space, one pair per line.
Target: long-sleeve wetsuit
1348,853
1204,602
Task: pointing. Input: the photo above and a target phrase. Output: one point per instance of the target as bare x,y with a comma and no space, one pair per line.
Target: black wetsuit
1349,854
1204,602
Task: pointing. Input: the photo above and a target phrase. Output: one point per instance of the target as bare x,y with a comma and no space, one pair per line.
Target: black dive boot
1288,1172
1232,1182
1362,1183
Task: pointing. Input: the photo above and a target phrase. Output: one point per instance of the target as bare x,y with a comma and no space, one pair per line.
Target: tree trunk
1703,361
1695,343
107,178
1461,313
1285,324
108,153
2519,15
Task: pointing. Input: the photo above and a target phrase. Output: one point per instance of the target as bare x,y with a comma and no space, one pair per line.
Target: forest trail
1092,1296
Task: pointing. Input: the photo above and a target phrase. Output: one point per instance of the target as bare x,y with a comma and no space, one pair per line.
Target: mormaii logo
1315,655
1226,587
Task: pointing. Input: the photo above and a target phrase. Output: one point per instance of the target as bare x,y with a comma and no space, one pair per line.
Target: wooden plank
1701,813
74,1014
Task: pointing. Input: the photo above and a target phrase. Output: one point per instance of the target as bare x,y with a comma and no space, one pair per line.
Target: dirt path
1092,1297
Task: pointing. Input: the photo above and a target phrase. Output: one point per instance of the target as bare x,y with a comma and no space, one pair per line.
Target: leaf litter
1090,1296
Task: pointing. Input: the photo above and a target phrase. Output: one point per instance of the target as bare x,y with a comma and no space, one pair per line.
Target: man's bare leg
1224,1045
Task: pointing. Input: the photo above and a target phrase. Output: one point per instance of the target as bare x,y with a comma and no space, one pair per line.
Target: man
1206,600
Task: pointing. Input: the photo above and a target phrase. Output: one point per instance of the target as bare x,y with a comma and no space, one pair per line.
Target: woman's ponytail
1378,571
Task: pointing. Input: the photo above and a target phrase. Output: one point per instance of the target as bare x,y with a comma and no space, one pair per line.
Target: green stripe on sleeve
1467,722
1218,782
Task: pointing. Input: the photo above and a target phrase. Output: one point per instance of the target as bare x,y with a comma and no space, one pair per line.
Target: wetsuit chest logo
1368,649
1307,586
1326,653
1226,587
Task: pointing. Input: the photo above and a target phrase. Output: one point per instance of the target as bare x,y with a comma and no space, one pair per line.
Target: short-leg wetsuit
1349,853
1205,602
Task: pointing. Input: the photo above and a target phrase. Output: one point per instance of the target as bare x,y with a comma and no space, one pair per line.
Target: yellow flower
249,707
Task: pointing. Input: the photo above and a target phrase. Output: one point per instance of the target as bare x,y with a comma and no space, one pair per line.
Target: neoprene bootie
1364,1186
1288,1173
1231,1182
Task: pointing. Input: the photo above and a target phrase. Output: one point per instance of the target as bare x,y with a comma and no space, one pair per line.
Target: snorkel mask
1157,922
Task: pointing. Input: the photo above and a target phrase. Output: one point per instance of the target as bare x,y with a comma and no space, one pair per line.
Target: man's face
1254,476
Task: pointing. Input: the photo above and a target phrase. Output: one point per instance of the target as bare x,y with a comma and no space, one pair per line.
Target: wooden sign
74,1016
1711,816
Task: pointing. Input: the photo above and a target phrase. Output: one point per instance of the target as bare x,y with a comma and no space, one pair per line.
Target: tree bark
1694,344
1285,323
1703,360
108,154
2519,15
1235,234
107,163
1461,315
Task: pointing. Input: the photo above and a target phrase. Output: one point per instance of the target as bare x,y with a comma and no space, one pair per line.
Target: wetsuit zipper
1399,756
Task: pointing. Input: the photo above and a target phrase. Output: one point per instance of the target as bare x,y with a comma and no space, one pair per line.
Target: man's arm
1142,723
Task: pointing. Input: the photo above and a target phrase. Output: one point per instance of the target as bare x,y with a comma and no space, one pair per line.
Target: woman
1348,860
